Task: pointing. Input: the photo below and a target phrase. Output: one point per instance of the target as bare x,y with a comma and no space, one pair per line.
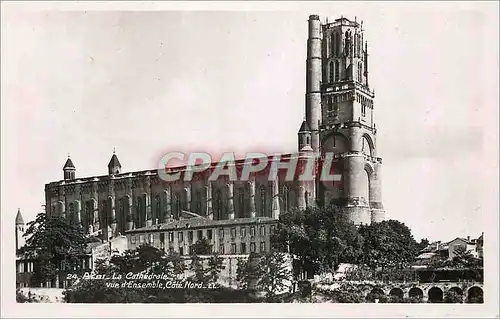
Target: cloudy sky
233,79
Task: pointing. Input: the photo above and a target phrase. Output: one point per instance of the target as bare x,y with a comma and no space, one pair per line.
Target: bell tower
347,128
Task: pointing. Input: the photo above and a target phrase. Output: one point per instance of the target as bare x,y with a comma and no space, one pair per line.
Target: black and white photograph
237,159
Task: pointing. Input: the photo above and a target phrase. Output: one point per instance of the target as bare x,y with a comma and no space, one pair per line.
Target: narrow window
243,248
180,236
233,248
241,202
209,234
336,45
337,71
233,232
286,198
221,249
221,233
262,246
252,247
331,73
252,231
263,201
243,232
262,231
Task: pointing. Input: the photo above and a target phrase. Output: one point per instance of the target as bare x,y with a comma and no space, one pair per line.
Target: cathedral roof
69,164
304,127
114,162
19,217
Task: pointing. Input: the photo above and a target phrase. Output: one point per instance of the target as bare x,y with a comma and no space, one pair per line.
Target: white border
489,309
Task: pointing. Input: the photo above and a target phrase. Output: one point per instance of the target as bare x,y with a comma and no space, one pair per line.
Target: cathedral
339,119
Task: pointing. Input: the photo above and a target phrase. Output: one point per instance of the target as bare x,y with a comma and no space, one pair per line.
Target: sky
232,78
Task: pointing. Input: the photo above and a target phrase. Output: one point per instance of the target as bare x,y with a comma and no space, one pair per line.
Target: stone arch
435,294
375,293
367,145
415,292
335,142
397,293
475,295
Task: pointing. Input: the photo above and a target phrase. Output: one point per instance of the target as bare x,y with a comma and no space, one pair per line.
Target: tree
424,242
463,258
148,260
54,243
249,272
388,244
206,272
201,247
265,272
321,238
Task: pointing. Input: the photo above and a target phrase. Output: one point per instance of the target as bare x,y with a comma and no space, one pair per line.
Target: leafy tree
265,272
388,244
424,242
150,260
248,272
206,272
321,238
54,243
201,247
463,258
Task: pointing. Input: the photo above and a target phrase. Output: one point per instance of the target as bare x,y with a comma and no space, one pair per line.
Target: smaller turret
69,170
114,166
19,230
304,136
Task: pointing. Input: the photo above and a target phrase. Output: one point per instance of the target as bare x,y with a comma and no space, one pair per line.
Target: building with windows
339,108
226,237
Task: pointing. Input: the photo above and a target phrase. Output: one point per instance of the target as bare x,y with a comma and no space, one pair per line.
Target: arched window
306,196
241,203
218,204
176,206
286,199
336,44
337,71
360,72
197,202
71,214
357,45
263,201
307,140
331,73
348,43
332,44
157,214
